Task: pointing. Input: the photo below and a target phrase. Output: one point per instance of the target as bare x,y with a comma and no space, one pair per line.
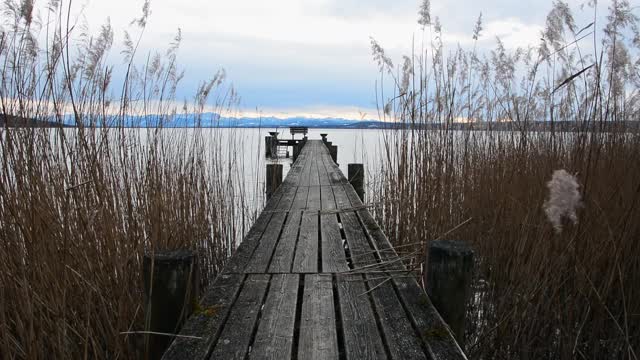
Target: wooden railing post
356,178
171,289
448,281
274,178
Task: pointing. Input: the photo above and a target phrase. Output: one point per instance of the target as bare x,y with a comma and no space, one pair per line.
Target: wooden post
274,178
324,137
296,151
171,281
448,281
268,140
333,150
356,178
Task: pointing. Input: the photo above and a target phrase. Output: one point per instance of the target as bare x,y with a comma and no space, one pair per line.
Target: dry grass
79,207
538,293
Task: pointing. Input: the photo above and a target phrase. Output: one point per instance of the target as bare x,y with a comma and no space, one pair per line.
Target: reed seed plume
564,199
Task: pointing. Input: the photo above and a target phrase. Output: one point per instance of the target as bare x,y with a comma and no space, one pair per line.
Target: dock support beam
171,281
356,178
274,178
448,281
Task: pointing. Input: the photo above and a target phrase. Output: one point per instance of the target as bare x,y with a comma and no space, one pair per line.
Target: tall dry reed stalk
484,135
79,206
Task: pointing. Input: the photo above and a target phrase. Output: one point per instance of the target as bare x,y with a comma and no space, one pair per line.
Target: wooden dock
315,278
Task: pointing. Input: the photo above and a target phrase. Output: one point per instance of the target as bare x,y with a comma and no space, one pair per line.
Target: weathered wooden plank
235,338
361,252
362,339
398,331
322,172
300,201
314,202
305,177
274,338
335,175
352,195
436,335
207,321
314,179
400,337
285,251
264,251
306,258
318,335
328,200
239,260
333,258
342,200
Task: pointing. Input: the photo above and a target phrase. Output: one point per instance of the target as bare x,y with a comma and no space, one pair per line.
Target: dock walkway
315,278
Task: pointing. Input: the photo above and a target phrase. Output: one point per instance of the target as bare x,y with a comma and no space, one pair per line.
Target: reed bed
80,206
547,284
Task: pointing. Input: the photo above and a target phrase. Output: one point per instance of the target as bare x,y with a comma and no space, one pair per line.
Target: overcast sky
309,57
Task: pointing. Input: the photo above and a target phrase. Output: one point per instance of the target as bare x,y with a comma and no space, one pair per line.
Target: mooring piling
333,151
448,281
356,178
274,178
171,281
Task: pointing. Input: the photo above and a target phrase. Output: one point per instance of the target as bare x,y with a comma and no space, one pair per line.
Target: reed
560,288
79,206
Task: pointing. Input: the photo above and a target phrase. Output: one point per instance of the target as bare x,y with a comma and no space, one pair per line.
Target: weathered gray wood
356,178
238,261
241,257
328,200
318,335
401,338
273,179
274,339
335,175
235,338
306,258
314,179
332,250
362,339
300,200
262,255
207,321
285,251
314,202
449,270
342,200
323,173
434,332
361,252
333,150
170,289
268,141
